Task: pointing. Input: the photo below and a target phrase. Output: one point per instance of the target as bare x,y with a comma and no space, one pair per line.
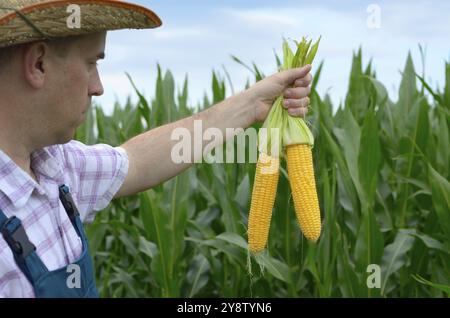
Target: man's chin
66,136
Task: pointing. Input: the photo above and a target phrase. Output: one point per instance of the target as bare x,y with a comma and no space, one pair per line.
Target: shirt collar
17,185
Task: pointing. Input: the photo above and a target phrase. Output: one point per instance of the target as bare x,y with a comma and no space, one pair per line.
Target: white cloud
179,33
264,18
416,21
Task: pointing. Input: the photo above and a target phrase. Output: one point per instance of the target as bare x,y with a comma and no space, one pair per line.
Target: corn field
382,172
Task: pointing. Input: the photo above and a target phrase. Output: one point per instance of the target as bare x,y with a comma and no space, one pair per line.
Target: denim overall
57,283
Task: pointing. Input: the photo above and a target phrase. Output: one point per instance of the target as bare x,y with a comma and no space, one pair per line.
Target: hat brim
51,19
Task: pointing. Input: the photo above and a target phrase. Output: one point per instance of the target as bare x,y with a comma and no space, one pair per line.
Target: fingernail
287,93
286,103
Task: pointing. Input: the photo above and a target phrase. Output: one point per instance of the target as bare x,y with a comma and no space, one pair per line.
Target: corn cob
263,198
303,186
297,140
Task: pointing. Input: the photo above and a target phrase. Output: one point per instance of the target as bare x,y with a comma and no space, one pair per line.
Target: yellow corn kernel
263,198
303,187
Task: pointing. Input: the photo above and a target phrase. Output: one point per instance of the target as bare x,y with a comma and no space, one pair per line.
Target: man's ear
33,58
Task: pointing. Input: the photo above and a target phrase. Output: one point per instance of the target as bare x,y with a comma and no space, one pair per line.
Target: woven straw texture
41,19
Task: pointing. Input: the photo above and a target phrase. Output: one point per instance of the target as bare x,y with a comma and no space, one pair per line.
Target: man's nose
95,85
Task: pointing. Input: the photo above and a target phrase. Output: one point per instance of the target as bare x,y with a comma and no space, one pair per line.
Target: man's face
71,83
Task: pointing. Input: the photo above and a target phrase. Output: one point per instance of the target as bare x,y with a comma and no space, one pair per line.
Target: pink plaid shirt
94,175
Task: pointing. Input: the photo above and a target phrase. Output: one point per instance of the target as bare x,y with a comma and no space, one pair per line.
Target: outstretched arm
149,153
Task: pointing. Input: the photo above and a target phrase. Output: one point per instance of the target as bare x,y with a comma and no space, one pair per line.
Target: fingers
298,112
296,99
296,103
297,107
304,82
297,92
289,76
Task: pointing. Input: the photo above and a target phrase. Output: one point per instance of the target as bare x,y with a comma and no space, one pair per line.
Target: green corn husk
288,130
270,139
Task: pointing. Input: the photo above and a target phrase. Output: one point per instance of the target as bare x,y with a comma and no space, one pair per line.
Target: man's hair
60,46
6,54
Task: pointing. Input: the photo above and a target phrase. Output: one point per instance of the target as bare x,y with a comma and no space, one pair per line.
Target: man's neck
21,156
20,134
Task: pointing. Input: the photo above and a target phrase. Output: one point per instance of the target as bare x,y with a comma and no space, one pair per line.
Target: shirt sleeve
95,174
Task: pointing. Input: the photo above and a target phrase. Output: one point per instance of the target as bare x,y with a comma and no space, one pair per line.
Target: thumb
289,76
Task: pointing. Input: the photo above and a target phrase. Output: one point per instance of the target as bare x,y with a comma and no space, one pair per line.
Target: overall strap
67,201
46,283
15,235
3,218
71,209
22,248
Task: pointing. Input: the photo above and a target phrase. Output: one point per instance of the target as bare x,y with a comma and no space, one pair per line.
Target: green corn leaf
369,157
394,256
441,287
312,53
440,188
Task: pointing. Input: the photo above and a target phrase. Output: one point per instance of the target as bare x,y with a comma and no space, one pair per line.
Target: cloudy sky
198,36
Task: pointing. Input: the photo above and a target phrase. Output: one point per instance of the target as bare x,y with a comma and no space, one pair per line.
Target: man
50,183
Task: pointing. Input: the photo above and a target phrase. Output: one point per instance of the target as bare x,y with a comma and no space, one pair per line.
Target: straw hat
23,21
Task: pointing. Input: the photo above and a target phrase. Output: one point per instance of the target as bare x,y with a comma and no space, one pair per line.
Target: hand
293,84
